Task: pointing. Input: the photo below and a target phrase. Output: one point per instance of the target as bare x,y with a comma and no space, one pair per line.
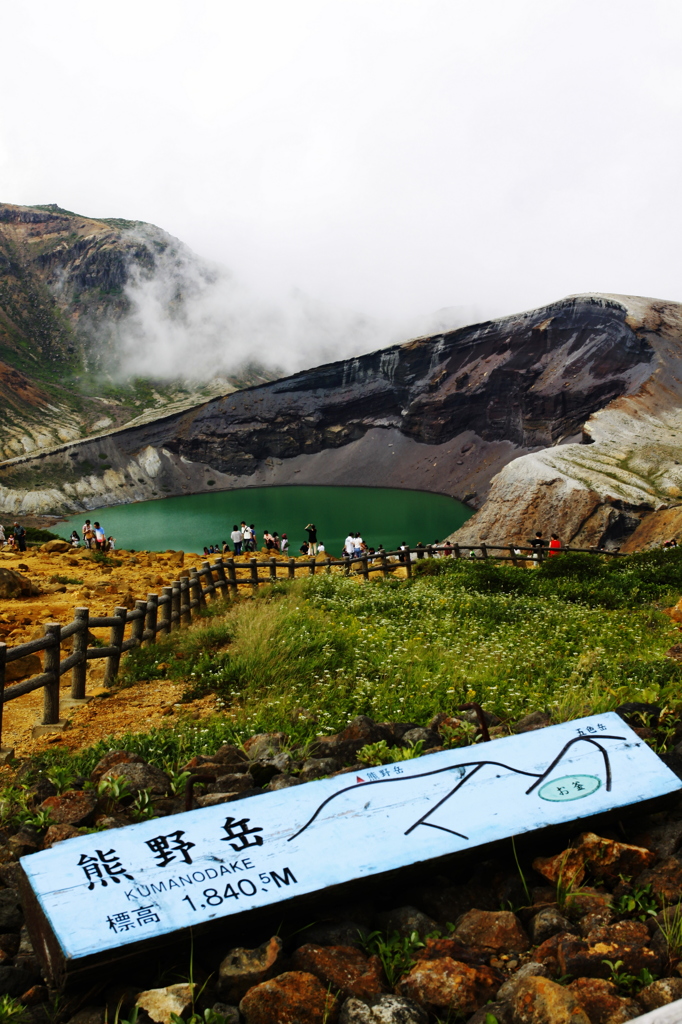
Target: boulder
499,930
437,948
446,984
601,1002
625,941
546,923
162,1003
229,754
62,546
387,1009
538,1000
23,668
343,969
405,921
59,834
535,720
660,993
14,585
231,784
264,744
282,782
15,980
510,986
110,760
74,807
292,998
665,880
427,737
318,767
139,776
345,745
334,933
243,968
604,858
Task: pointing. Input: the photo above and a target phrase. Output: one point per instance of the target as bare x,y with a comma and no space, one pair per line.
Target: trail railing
179,603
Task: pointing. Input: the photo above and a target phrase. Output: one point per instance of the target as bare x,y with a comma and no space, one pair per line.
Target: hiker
358,545
311,530
225,548
19,537
321,548
404,552
75,539
672,543
537,544
349,546
111,543
284,543
268,540
88,534
237,538
304,548
276,539
100,537
420,549
554,545
254,539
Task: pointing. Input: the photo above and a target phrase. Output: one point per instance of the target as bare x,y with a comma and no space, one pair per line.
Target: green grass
581,634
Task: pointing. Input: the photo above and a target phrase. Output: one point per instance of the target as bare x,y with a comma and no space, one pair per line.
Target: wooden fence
183,600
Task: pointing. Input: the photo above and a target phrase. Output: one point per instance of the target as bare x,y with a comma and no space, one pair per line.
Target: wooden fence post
273,568
408,563
80,646
384,563
166,609
115,640
458,553
512,552
150,621
185,610
253,562
429,550
210,585
311,567
365,566
196,583
175,605
220,572
232,577
484,550
137,625
51,665
328,565
291,567
3,662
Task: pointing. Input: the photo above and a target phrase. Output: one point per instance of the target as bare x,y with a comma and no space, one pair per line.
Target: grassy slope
580,634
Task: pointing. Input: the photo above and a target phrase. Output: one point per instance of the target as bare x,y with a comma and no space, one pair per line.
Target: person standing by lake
100,537
311,530
284,543
237,539
20,536
88,534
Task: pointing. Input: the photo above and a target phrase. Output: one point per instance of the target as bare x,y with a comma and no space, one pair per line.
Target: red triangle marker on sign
358,779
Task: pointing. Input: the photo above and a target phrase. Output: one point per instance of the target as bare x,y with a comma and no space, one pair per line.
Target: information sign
105,890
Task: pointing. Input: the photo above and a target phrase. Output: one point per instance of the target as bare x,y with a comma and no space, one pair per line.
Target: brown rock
344,969
139,776
345,745
243,968
161,1003
499,930
14,585
437,948
387,1009
446,983
23,668
230,783
74,807
538,1000
110,760
56,545
587,901
264,744
58,834
536,720
549,921
660,993
229,754
601,1002
291,998
665,880
624,941
604,858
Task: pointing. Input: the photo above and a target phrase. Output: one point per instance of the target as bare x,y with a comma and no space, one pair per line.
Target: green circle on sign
570,787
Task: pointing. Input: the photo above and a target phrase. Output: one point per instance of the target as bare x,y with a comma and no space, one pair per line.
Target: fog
355,171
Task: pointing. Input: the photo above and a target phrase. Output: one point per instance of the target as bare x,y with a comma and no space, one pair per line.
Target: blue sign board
105,890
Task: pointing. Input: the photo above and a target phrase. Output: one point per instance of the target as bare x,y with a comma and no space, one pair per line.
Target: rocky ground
587,929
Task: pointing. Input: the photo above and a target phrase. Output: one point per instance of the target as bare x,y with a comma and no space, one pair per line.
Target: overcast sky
391,157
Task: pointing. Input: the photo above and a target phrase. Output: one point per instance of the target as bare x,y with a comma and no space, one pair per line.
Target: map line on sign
477,765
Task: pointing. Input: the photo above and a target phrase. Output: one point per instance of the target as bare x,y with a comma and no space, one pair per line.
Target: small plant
66,580
671,926
178,781
142,807
114,791
396,952
12,1011
462,735
61,776
524,883
630,984
374,754
640,903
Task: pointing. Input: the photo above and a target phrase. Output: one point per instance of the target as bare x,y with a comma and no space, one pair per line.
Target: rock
318,767
230,1014
660,993
587,901
437,948
11,914
334,933
264,744
35,995
446,903
14,980
343,969
282,782
601,1002
139,776
345,745
24,842
597,919
428,737
405,921
665,880
14,585
546,923
530,970
500,1012
243,968
62,546
541,1001
23,668
626,941
59,834
213,799
447,984
536,720
663,839
89,1015
292,998
9,944
74,807
263,769
499,930
110,760
160,1003
604,858
231,784
387,1009
228,754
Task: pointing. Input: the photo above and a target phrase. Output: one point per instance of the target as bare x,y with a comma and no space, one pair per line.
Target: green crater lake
381,515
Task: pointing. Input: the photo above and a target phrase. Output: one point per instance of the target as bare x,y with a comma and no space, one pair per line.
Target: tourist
311,530
304,548
537,544
669,544
447,549
321,548
100,537
284,544
88,534
3,539
254,538
554,545
225,548
404,552
75,539
20,537
349,546
358,545
11,542
111,543
420,549
237,538
268,540
278,543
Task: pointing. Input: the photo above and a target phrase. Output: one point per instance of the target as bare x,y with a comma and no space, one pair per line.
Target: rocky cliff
533,403
63,296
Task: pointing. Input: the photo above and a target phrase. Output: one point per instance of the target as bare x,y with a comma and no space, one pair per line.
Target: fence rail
179,603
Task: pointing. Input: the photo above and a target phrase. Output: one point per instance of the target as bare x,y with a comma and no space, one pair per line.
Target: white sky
388,156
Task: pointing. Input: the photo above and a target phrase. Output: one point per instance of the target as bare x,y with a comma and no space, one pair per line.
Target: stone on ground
499,930
161,1003
541,1001
292,998
243,968
446,984
386,1010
